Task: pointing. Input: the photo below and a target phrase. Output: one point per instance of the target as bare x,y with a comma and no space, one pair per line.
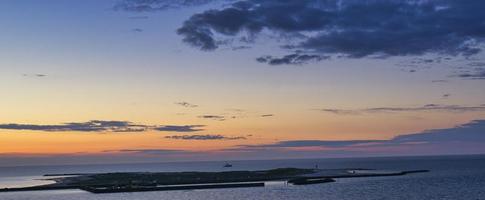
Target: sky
116,81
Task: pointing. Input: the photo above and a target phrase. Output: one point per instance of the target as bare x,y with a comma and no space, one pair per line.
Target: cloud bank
478,74
468,138
186,128
472,133
425,108
101,126
90,126
353,28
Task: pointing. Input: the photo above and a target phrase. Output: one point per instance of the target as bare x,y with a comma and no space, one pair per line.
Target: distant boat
227,165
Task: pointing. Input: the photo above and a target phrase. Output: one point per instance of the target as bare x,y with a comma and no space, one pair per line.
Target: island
162,181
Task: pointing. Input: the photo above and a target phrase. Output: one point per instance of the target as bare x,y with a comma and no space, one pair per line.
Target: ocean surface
451,177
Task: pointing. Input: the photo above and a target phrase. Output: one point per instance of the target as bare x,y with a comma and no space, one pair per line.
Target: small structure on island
227,165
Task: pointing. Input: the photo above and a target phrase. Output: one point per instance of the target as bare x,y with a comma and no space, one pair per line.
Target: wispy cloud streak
186,104
204,137
90,126
425,108
157,5
213,117
101,126
186,128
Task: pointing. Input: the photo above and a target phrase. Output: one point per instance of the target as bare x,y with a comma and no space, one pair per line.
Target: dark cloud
470,132
204,137
35,75
240,48
90,126
353,28
101,126
291,59
157,5
186,104
267,115
187,128
340,111
428,107
137,30
478,74
213,117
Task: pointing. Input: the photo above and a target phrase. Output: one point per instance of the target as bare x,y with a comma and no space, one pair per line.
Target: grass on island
178,178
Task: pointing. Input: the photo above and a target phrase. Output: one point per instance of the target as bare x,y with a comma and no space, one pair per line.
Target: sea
450,178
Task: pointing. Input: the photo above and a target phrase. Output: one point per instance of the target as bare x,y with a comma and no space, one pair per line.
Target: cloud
468,138
267,115
425,108
204,137
101,126
477,64
35,75
240,48
353,28
340,111
236,110
478,74
90,126
316,143
156,5
186,128
137,30
445,96
186,104
292,59
472,132
213,117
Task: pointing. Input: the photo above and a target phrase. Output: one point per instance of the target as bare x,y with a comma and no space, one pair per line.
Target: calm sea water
451,177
